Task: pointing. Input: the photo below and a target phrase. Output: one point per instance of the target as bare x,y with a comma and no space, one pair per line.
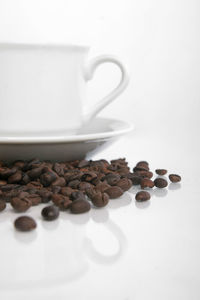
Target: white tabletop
127,250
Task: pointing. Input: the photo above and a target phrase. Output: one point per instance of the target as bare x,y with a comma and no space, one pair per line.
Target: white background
160,43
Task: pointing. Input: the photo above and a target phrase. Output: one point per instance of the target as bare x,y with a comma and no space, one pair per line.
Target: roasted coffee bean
77,195
125,184
34,198
143,164
15,178
102,186
160,183
59,169
34,184
20,204
74,184
35,173
83,163
134,178
114,192
56,189
73,175
25,223
123,171
22,194
50,213
6,172
161,171
80,206
3,182
25,179
2,205
89,176
120,161
47,178
135,169
146,183
45,195
66,191
9,187
144,174
60,181
84,185
174,178
100,199
112,178
63,202
19,164
142,196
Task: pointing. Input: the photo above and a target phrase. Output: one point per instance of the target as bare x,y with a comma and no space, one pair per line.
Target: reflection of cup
43,87
51,258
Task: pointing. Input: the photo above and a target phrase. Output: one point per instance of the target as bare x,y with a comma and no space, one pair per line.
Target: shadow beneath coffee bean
142,205
160,192
78,219
25,237
50,225
124,200
174,186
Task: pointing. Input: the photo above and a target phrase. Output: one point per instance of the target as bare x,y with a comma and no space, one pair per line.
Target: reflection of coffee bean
160,183
174,178
142,196
50,213
25,223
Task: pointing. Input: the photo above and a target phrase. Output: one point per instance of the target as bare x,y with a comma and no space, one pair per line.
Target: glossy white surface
43,87
124,251
90,139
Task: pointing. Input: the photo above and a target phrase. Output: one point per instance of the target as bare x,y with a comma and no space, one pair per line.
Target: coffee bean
66,191
47,178
161,171
114,192
144,174
160,183
80,206
34,184
60,181
35,173
100,199
50,213
88,176
84,186
63,202
146,183
19,164
45,195
20,204
134,178
2,205
83,163
112,178
25,223
3,182
34,198
74,184
102,186
9,187
25,179
73,175
142,196
125,184
56,189
6,172
15,178
174,178
59,169
77,195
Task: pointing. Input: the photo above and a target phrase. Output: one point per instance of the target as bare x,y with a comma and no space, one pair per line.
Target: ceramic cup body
43,87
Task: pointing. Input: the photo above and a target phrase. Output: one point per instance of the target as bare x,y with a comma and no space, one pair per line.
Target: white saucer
94,136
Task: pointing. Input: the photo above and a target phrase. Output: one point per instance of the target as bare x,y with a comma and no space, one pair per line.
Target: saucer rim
128,127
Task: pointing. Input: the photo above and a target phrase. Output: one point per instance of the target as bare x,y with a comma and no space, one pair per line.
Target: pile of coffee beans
73,186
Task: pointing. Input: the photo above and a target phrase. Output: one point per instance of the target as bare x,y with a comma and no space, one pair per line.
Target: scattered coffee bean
146,183
142,196
125,184
25,223
2,205
160,183
50,213
100,199
174,178
114,192
80,206
161,171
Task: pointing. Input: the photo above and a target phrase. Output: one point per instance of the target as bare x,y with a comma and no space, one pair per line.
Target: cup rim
42,45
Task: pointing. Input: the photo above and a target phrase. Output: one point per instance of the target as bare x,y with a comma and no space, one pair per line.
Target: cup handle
89,72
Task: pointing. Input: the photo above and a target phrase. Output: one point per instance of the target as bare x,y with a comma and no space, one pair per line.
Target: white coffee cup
43,87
